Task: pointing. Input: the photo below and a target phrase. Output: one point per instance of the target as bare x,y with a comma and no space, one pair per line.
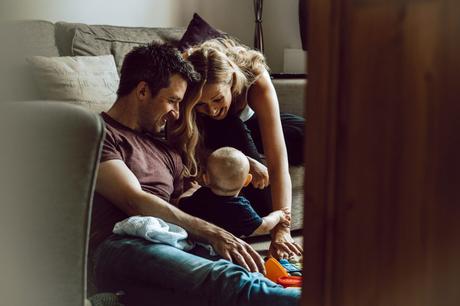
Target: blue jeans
158,274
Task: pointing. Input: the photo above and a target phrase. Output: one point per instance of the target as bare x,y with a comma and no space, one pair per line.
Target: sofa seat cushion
91,81
291,95
118,41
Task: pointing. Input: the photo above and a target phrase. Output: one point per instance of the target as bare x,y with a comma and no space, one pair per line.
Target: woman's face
215,100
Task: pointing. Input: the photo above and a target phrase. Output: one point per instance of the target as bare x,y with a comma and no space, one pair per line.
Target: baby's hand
194,186
285,217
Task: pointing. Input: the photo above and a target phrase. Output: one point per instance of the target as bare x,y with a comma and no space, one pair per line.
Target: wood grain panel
383,148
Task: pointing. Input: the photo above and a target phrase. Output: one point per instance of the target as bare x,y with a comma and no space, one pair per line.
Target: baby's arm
270,221
194,186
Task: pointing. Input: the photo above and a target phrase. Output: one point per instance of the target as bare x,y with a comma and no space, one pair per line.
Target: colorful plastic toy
290,281
274,269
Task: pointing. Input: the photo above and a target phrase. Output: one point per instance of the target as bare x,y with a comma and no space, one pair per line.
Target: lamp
258,32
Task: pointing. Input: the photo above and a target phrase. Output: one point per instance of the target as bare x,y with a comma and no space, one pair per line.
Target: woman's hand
236,250
259,172
282,244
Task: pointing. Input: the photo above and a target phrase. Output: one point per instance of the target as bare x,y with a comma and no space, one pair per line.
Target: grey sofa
72,39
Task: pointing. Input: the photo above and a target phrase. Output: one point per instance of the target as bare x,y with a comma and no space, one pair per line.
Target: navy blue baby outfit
234,214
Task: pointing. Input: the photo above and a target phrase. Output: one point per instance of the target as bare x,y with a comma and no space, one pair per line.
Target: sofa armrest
50,154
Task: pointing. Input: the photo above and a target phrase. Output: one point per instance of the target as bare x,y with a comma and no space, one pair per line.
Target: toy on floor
290,268
290,281
281,272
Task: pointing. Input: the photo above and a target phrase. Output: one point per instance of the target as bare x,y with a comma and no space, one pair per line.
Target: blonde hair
220,60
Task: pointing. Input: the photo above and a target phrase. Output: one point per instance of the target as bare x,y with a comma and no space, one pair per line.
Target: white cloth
158,231
155,230
246,113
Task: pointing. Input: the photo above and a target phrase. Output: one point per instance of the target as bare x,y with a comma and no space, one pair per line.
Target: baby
227,172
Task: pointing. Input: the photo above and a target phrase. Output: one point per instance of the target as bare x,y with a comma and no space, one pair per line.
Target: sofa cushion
198,31
291,95
91,81
64,33
118,41
36,37
20,39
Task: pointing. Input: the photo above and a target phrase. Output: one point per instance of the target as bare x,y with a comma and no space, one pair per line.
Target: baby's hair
227,169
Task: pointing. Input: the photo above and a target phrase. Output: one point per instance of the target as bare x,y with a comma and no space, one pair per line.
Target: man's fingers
226,255
239,259
257,259
249,260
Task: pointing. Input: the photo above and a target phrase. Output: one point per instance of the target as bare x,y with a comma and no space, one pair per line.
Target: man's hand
282,244
237,251
259,172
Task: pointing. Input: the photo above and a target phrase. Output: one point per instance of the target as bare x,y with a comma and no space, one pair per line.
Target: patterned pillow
89,80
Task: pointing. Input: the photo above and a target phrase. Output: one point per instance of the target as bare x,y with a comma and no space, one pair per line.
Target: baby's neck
223,193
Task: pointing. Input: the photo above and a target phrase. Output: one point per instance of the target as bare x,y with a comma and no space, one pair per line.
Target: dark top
234,214
157,167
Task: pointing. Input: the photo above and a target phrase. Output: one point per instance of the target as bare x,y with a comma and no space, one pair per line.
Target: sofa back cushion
22,39
115,40
36,37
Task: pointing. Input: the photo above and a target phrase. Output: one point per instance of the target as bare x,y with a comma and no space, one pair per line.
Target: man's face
157,110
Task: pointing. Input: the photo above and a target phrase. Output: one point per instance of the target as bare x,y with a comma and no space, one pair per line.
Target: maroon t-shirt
157,167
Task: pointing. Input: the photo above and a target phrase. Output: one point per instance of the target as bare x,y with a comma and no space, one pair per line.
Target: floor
261,243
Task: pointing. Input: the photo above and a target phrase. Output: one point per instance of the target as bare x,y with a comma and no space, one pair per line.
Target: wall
280,23
280,18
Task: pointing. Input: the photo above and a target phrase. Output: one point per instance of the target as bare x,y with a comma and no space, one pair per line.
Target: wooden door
382,211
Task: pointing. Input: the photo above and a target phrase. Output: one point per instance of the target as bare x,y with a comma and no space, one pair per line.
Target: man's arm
117,183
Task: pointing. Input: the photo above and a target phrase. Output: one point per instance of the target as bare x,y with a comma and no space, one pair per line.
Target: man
140,175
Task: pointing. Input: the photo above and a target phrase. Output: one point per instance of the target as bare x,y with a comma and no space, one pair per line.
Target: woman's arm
263,100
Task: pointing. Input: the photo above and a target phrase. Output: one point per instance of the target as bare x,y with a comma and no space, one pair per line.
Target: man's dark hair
154,64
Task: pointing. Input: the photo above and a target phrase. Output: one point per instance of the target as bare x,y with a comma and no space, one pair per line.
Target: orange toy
274,270
290,281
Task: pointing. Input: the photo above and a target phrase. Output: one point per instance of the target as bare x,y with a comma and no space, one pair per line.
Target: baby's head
227,171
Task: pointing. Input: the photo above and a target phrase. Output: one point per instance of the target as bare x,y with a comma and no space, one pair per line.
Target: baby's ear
205,179
248,180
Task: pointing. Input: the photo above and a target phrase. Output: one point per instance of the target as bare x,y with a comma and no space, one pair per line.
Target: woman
236,105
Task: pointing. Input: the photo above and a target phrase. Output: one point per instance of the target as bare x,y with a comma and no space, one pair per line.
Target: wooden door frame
320,147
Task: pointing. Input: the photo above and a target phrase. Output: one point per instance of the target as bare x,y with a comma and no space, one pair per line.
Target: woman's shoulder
242,102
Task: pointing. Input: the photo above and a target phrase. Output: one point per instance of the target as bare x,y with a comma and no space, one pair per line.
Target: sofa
63,39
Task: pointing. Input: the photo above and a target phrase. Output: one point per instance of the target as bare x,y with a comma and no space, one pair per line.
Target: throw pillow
89,79
197,32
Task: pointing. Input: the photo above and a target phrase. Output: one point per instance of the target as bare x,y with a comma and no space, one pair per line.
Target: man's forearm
146,204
